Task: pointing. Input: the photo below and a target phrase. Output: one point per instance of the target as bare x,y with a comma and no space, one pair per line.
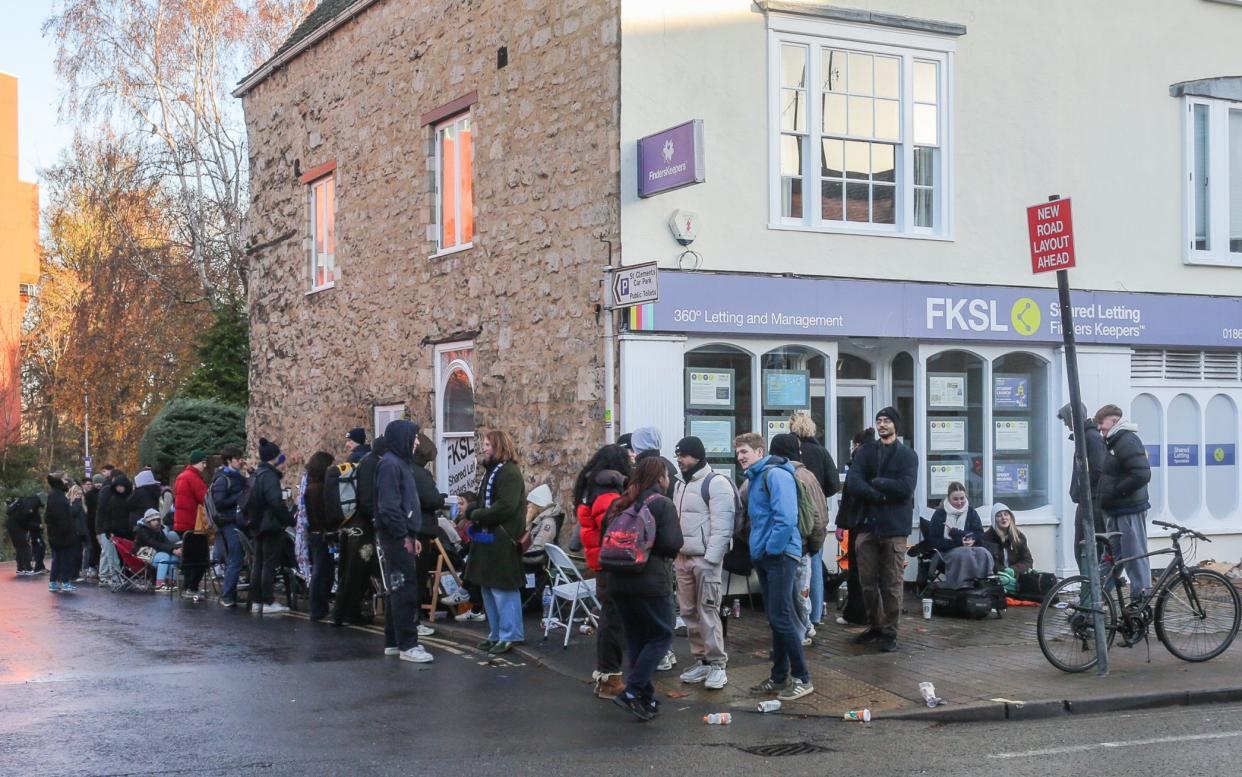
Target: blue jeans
648,622
162,562
778,575
504,614
817,586
234,558
323,571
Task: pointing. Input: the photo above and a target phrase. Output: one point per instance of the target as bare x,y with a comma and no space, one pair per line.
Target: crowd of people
657,536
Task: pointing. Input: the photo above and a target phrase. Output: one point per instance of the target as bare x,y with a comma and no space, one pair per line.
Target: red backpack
626,544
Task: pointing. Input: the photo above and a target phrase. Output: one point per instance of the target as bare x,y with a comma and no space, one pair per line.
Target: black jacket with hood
142,499
397,511
267,502
818,460
364,507
881,484
1126,472
62,530
115,511
429,499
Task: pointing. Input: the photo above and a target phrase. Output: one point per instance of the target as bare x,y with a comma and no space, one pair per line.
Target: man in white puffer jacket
707,527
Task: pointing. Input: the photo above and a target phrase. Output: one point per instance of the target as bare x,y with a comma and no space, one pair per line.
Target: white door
855,406
456,471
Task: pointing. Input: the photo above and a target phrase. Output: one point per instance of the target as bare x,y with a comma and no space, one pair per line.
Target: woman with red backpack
641,536
599,484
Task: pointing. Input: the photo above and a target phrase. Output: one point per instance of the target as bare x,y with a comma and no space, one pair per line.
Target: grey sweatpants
1132,542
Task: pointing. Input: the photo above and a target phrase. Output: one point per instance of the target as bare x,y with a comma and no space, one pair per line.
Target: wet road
104,684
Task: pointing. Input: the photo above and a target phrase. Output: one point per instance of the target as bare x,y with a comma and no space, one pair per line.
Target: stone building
431,187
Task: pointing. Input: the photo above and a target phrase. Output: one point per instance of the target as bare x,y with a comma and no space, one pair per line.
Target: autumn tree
102,325
165,68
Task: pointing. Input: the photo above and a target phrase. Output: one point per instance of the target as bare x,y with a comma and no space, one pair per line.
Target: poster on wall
461,470
1183,455
948,435
941,475
786,389
728,470
1013,434
716,434
946,391
709,389
1013,478
773,426
1011,392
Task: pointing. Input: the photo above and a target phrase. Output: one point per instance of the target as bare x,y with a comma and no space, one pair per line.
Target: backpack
245,505
340,490
739,512
626,544
806,506
970,599
209,502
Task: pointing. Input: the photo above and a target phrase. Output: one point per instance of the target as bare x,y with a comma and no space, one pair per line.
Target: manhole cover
786,748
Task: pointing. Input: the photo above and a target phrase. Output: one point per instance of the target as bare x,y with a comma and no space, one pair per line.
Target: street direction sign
636,284
1052,236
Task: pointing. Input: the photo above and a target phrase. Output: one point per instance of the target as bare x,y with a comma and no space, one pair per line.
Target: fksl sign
635,285
1052,236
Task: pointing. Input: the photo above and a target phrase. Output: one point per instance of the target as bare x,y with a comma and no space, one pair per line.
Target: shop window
458,402
903,395
1019,431
718,400
850,367
955,433
794,378
1148,414
1221,456
1181,456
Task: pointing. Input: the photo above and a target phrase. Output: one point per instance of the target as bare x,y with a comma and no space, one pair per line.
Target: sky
27,54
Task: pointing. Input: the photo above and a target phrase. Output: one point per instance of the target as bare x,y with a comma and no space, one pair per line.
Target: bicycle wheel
1197,616
1065,626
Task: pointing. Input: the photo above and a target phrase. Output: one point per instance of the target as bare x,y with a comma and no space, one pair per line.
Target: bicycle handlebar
1180,530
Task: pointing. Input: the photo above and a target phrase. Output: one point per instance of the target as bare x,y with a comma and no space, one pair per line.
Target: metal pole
610,429
86,425
1084,470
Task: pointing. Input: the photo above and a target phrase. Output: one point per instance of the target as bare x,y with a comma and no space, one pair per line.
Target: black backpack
246,510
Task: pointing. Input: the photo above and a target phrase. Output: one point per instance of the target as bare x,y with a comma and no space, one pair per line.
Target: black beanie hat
786,446
890,413
358,435
691,446
268,450
624,441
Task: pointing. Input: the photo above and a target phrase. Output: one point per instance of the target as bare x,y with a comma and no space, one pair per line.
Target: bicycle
1196,611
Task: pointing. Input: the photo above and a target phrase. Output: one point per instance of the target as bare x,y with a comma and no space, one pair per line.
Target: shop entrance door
855,405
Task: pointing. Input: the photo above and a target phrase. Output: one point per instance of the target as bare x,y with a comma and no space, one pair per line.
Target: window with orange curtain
323,232
455,183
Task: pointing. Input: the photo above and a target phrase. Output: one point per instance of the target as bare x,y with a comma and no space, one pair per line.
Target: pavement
984,670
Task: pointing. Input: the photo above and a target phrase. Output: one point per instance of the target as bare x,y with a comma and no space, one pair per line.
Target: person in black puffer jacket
1123,494
642,598
62,534
116,508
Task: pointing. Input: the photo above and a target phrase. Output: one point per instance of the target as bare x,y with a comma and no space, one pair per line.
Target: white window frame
382,415
438,129
908,46
316,258
442,373
1218,253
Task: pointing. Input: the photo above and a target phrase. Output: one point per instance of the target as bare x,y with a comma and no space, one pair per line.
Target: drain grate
786,748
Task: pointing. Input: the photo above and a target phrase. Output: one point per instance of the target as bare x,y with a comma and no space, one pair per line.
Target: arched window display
1182,457
794,379
1019,431
851,367
1147,413
955,433
718,400
903,395
458,402
1221,456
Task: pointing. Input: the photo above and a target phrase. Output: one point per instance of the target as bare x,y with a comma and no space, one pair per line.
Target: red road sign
1052,236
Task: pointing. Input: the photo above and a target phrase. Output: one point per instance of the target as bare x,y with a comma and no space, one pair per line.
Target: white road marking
1129,743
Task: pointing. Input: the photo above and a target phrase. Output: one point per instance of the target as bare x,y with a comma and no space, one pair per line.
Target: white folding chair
568,586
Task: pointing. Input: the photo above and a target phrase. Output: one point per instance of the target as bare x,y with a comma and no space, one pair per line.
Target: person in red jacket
598,485
189,493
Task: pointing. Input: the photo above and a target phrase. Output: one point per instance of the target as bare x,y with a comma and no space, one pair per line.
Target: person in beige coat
706,504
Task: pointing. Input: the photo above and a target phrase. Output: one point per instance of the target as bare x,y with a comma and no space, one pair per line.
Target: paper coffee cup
927,609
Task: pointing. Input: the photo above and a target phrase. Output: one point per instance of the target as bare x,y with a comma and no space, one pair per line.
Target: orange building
19,260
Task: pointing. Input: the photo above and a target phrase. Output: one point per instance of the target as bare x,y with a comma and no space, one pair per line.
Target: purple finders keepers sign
671,159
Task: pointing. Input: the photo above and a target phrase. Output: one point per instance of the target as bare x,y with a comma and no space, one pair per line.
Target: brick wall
546,187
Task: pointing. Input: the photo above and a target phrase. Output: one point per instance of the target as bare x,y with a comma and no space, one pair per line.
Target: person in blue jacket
776,550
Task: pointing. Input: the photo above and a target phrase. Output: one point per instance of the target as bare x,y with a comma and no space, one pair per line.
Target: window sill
946,238
318,289
450,251
1204,259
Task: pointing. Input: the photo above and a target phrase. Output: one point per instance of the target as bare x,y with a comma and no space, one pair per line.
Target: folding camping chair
132,575
568,586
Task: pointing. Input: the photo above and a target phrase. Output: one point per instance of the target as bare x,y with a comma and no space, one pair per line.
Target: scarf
954,518
491,482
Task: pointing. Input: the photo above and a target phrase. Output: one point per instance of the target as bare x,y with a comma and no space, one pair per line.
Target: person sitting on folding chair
149,533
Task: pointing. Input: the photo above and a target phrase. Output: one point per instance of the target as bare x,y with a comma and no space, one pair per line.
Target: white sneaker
696,674
680,625
842,621
425,631
475,617
716,678
810,632
418,654
392,651
806,642
668,662
275,608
